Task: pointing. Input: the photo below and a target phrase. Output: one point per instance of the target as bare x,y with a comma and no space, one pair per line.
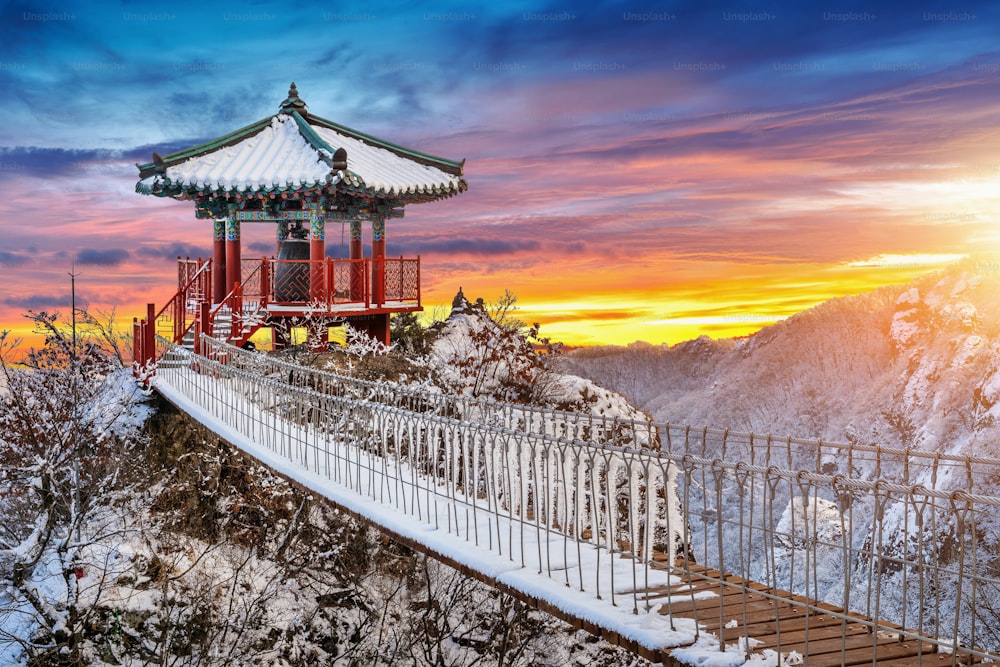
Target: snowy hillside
485,352
915,365
136,539
911,365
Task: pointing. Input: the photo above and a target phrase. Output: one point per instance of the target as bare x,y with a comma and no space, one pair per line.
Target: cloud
265,247
144,153
8,258
607,154
38,301
483,247
102,257
49,162
589,315
172,251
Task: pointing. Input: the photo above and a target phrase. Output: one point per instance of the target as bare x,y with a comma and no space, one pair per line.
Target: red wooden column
319,337
219,289
233,272
378,260
379,328
136,346
317,257
357,252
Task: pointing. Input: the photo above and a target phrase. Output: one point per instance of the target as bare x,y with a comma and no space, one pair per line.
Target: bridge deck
772,620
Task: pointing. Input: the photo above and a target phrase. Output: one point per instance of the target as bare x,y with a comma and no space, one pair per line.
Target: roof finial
293,102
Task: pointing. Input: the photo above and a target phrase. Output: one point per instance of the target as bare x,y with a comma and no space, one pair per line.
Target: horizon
633,175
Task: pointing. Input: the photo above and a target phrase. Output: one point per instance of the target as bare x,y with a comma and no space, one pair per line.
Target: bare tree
68,426
316,326
499,355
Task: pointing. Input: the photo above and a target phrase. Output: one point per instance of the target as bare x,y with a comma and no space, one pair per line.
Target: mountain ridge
910,365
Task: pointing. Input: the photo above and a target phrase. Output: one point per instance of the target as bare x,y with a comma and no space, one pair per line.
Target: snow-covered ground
913,366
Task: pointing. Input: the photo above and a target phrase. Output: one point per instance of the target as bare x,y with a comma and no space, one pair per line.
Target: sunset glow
629,179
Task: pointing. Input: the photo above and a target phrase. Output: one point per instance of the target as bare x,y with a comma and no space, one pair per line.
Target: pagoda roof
295,153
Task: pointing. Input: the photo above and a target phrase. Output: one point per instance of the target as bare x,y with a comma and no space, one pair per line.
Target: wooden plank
925,660
762,621
821,640
889,652
732,603
678,590
794,629
826,632
680,602
818,646
730,606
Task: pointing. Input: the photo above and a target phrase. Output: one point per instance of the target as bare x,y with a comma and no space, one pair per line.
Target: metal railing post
149,339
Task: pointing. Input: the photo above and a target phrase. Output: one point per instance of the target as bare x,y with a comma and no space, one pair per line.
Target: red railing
175,319
329,283
194,285
243,302
401,279
316,285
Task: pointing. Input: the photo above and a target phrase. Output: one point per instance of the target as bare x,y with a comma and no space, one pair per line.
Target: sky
636,171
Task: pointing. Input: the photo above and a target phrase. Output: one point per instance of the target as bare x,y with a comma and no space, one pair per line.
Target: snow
991,388
899,367
908,366
968,347
706,653
904,328
72,535
384,170
910,296
276,155
526,556
279,156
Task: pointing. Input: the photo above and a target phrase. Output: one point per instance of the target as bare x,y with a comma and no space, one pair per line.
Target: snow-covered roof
296,152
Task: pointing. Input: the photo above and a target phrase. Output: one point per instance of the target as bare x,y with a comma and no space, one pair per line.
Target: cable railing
876,562
908,466
561,506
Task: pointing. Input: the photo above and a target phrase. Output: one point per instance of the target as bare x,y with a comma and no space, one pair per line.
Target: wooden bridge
686,546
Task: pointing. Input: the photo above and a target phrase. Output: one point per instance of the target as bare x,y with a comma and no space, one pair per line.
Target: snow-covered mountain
915,365
909,365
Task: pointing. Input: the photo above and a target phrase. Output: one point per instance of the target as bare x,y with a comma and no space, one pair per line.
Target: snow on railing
599,429
511,491
908,563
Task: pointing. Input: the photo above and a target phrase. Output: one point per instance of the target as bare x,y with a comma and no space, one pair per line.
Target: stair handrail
182,292
234,298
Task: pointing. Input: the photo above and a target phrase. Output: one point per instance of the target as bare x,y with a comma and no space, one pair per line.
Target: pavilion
298,172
